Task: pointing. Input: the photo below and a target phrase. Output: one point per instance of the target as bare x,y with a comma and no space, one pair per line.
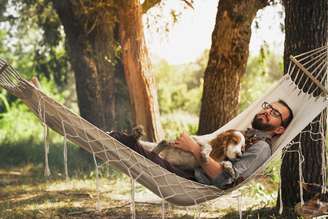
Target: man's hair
290,117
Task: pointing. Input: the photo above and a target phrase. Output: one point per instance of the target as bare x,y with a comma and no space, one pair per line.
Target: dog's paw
138,132
205,153
228,167
161,146
204,157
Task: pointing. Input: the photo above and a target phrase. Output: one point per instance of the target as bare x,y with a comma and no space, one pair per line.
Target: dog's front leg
205,148
149,146
161,146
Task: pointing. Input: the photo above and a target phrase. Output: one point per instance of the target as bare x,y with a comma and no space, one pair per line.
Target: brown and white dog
227,145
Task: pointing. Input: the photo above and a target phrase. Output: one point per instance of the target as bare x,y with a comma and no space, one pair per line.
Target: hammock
306,105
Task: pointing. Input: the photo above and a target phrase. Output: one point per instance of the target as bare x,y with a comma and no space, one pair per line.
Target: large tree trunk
94,30
90,38
227,62
140,79
306,28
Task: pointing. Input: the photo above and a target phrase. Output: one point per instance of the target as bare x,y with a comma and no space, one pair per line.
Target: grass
26,152
25,193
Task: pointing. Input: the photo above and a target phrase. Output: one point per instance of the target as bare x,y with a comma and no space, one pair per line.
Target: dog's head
230,143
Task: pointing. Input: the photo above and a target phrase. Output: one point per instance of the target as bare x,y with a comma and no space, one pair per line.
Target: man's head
274,117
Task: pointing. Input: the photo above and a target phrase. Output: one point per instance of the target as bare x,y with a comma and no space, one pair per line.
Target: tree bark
306,25
90,38
148,4
140,80
94,31
227,62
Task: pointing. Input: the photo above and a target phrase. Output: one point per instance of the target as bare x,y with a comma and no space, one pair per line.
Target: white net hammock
305,103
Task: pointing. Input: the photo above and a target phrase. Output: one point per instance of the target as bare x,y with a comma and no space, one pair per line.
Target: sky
191,34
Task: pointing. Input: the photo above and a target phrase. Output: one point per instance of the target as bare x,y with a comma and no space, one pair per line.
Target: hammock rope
305,103
323,119
42,116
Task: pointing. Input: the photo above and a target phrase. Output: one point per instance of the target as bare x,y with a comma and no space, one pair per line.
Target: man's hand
186,143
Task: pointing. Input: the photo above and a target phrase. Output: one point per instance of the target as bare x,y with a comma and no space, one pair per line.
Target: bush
174,124
261,73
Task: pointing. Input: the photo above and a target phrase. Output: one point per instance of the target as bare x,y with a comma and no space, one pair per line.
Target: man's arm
254,157
211,167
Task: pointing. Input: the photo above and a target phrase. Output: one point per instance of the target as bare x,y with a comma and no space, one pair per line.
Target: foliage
179,122
180,87
21,43
34,33
178,96
163,17
179,93
261,73
19,124
28,152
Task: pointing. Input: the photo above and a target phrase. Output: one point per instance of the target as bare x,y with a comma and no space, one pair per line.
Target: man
270,122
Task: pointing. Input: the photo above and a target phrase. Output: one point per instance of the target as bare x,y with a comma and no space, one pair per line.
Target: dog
228,145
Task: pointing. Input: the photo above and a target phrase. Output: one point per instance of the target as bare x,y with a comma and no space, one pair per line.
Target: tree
95,33
104,38
140,79
227,62
94,38
90,39
39,16
306,25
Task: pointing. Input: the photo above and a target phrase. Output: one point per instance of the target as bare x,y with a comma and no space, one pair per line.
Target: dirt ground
25,195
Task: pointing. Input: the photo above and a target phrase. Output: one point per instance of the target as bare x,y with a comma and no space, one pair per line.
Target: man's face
270,117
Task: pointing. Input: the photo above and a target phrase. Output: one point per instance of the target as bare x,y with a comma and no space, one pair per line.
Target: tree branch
148,4
189,3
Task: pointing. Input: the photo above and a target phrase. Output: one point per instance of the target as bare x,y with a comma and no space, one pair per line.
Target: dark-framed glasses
273,112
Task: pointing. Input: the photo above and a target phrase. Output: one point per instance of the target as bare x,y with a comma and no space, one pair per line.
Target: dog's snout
238,155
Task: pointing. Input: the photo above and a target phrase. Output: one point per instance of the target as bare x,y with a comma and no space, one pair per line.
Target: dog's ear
227,137
219,146
217,153
221,138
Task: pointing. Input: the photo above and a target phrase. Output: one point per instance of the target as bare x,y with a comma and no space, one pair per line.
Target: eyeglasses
273,112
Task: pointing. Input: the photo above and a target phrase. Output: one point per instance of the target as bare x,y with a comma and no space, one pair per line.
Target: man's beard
258,123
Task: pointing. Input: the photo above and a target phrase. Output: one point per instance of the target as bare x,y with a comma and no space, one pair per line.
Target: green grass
28,152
